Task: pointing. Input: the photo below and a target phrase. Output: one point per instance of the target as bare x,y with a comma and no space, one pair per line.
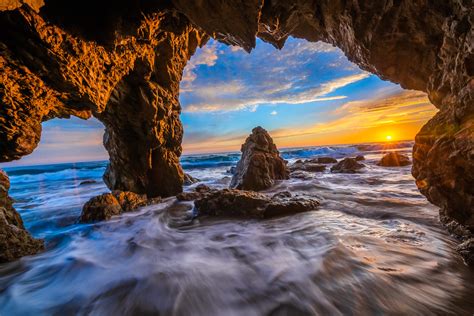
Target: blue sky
305,94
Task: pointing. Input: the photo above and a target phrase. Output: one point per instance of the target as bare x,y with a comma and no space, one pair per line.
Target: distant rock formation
104,206
260,164
394,159
324,160
347,165
307,165
15,241
240,203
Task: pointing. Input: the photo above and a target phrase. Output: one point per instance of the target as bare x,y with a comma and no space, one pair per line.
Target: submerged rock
260,164
394,159
15,240
189,179
199,191
87,182
347,165
240,203
104,206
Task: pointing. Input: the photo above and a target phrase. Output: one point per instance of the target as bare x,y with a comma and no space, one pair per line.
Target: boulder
104,206
394,159
359,158
260,164
199,191
240,203
15,241
347,165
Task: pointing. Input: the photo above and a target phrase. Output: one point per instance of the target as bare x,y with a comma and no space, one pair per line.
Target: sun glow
388,138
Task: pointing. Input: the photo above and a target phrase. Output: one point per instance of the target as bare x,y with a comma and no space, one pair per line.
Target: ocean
375,246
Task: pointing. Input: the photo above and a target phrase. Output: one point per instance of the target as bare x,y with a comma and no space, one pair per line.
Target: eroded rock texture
15,241
121,61
260,164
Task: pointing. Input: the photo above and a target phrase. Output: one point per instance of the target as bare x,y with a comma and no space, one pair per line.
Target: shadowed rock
15,241
260,164
104,206
394,159
240,203
347,165
359,158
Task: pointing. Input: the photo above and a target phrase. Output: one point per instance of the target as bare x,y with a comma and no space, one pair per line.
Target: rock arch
122,61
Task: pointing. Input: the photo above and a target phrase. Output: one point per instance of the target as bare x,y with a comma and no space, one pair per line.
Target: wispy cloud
238,81
235,96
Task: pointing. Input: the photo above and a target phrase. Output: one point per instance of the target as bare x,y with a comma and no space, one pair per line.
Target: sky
306,94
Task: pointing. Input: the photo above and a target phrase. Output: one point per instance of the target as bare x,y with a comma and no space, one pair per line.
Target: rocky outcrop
239,203
15,241
359,158
347,165
122,62
104,206
394,159
260,164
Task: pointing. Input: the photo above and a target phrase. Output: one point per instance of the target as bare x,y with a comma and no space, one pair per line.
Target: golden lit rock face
122,62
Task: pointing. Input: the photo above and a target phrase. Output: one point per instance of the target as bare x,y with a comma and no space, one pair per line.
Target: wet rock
394,159
359,158
324,160
466,249
15,241
347,165
100,208
189,179
87,182
199,191
232,170
260,164
104,206
240,203
129,201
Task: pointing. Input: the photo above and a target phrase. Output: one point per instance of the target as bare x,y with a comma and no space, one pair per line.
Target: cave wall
122,62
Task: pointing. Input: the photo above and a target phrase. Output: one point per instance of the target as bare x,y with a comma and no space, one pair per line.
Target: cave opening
306,94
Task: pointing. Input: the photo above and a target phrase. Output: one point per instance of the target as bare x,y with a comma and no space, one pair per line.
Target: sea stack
260,164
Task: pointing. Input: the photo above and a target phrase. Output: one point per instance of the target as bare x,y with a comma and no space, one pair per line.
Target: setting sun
388,137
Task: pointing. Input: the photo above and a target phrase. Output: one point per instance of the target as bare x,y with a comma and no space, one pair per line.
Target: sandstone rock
394,159
260,164
15,241
347,165
189,179
239,203
104,206
100,208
